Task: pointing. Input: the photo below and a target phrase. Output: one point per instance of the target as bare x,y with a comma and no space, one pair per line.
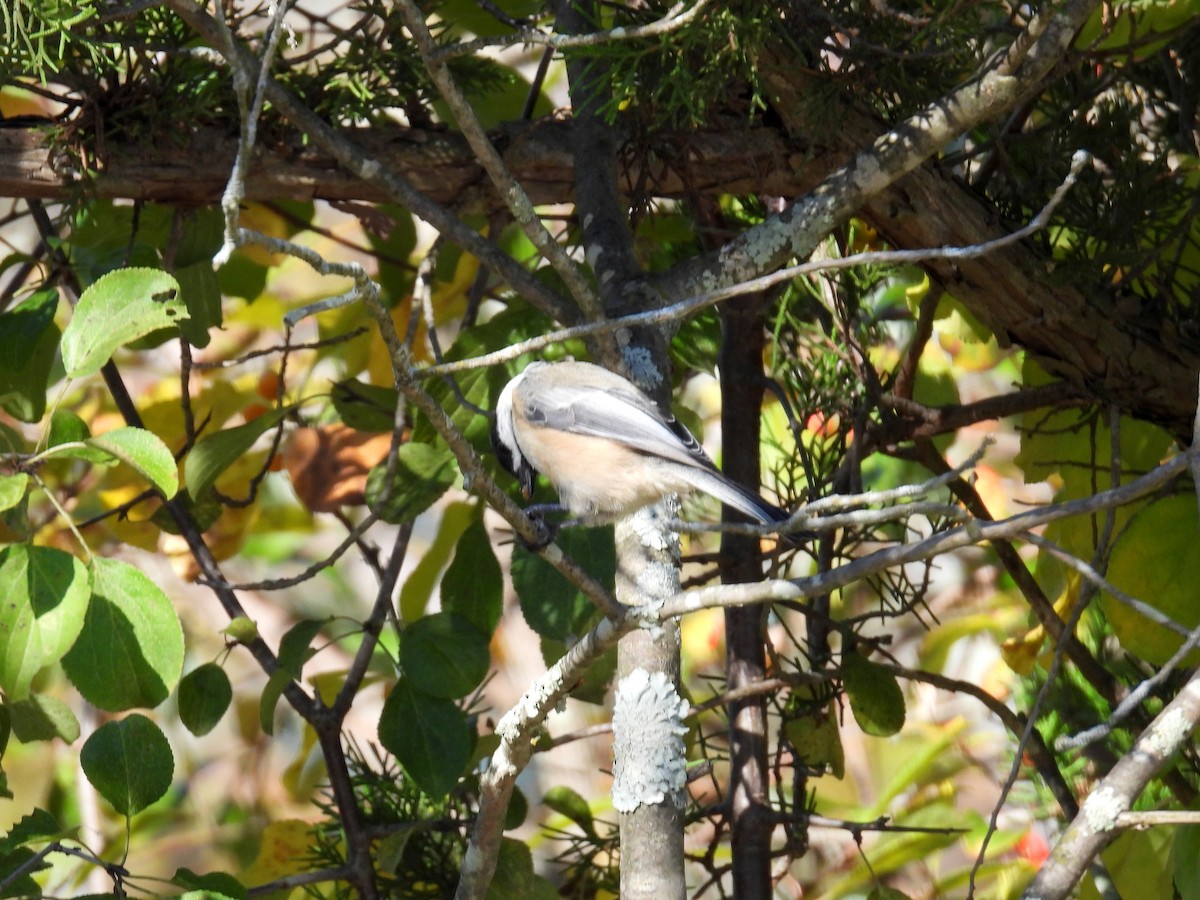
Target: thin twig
674,18
697,302
493,163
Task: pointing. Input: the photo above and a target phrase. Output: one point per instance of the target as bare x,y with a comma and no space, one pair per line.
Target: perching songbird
605,446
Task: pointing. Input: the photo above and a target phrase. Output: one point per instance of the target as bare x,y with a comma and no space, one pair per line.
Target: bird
604,445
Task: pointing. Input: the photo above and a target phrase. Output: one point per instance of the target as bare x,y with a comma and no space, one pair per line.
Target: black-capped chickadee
604,445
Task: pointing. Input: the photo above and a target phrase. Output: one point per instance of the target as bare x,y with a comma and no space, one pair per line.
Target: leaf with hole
115,310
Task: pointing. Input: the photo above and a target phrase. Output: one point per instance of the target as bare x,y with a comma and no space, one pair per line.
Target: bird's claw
547,530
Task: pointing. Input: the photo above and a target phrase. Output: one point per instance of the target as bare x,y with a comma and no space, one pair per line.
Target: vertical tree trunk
652,833
749,811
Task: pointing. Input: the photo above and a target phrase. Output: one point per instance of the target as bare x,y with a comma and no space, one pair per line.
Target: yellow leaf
1022,653
283,851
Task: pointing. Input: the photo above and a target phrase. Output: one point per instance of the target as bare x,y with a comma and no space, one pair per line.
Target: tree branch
1099,821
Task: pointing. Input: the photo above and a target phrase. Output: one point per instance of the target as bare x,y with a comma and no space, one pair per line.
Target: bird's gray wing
616,413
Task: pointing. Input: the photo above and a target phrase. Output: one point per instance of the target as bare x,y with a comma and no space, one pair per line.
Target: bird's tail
742,499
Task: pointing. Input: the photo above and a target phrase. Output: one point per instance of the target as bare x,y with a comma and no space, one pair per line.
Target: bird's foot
547,530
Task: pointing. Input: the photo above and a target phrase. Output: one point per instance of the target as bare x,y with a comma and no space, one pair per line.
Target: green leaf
130,652
295,647
38,825
21,885
138,448
365,407
277,683
473,586
200,289
12,490
1185,860
43,718
423,473
144,452
294,651
553,606
874,694
1156,562
429,736
418,585
444,655
66,427
518,806
214,454
120,307
817,741
129,762
106,236
242,629
570,803
209,884
514,876
28,343
1138,863
396,240
204,695
45,595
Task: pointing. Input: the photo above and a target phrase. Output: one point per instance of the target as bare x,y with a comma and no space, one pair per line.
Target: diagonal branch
485,151
355,160
796,231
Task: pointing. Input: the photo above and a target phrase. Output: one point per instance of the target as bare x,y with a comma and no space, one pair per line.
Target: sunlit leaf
144,452
284,850
45,595
130,652
120,307
817,740
41,717
418,586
